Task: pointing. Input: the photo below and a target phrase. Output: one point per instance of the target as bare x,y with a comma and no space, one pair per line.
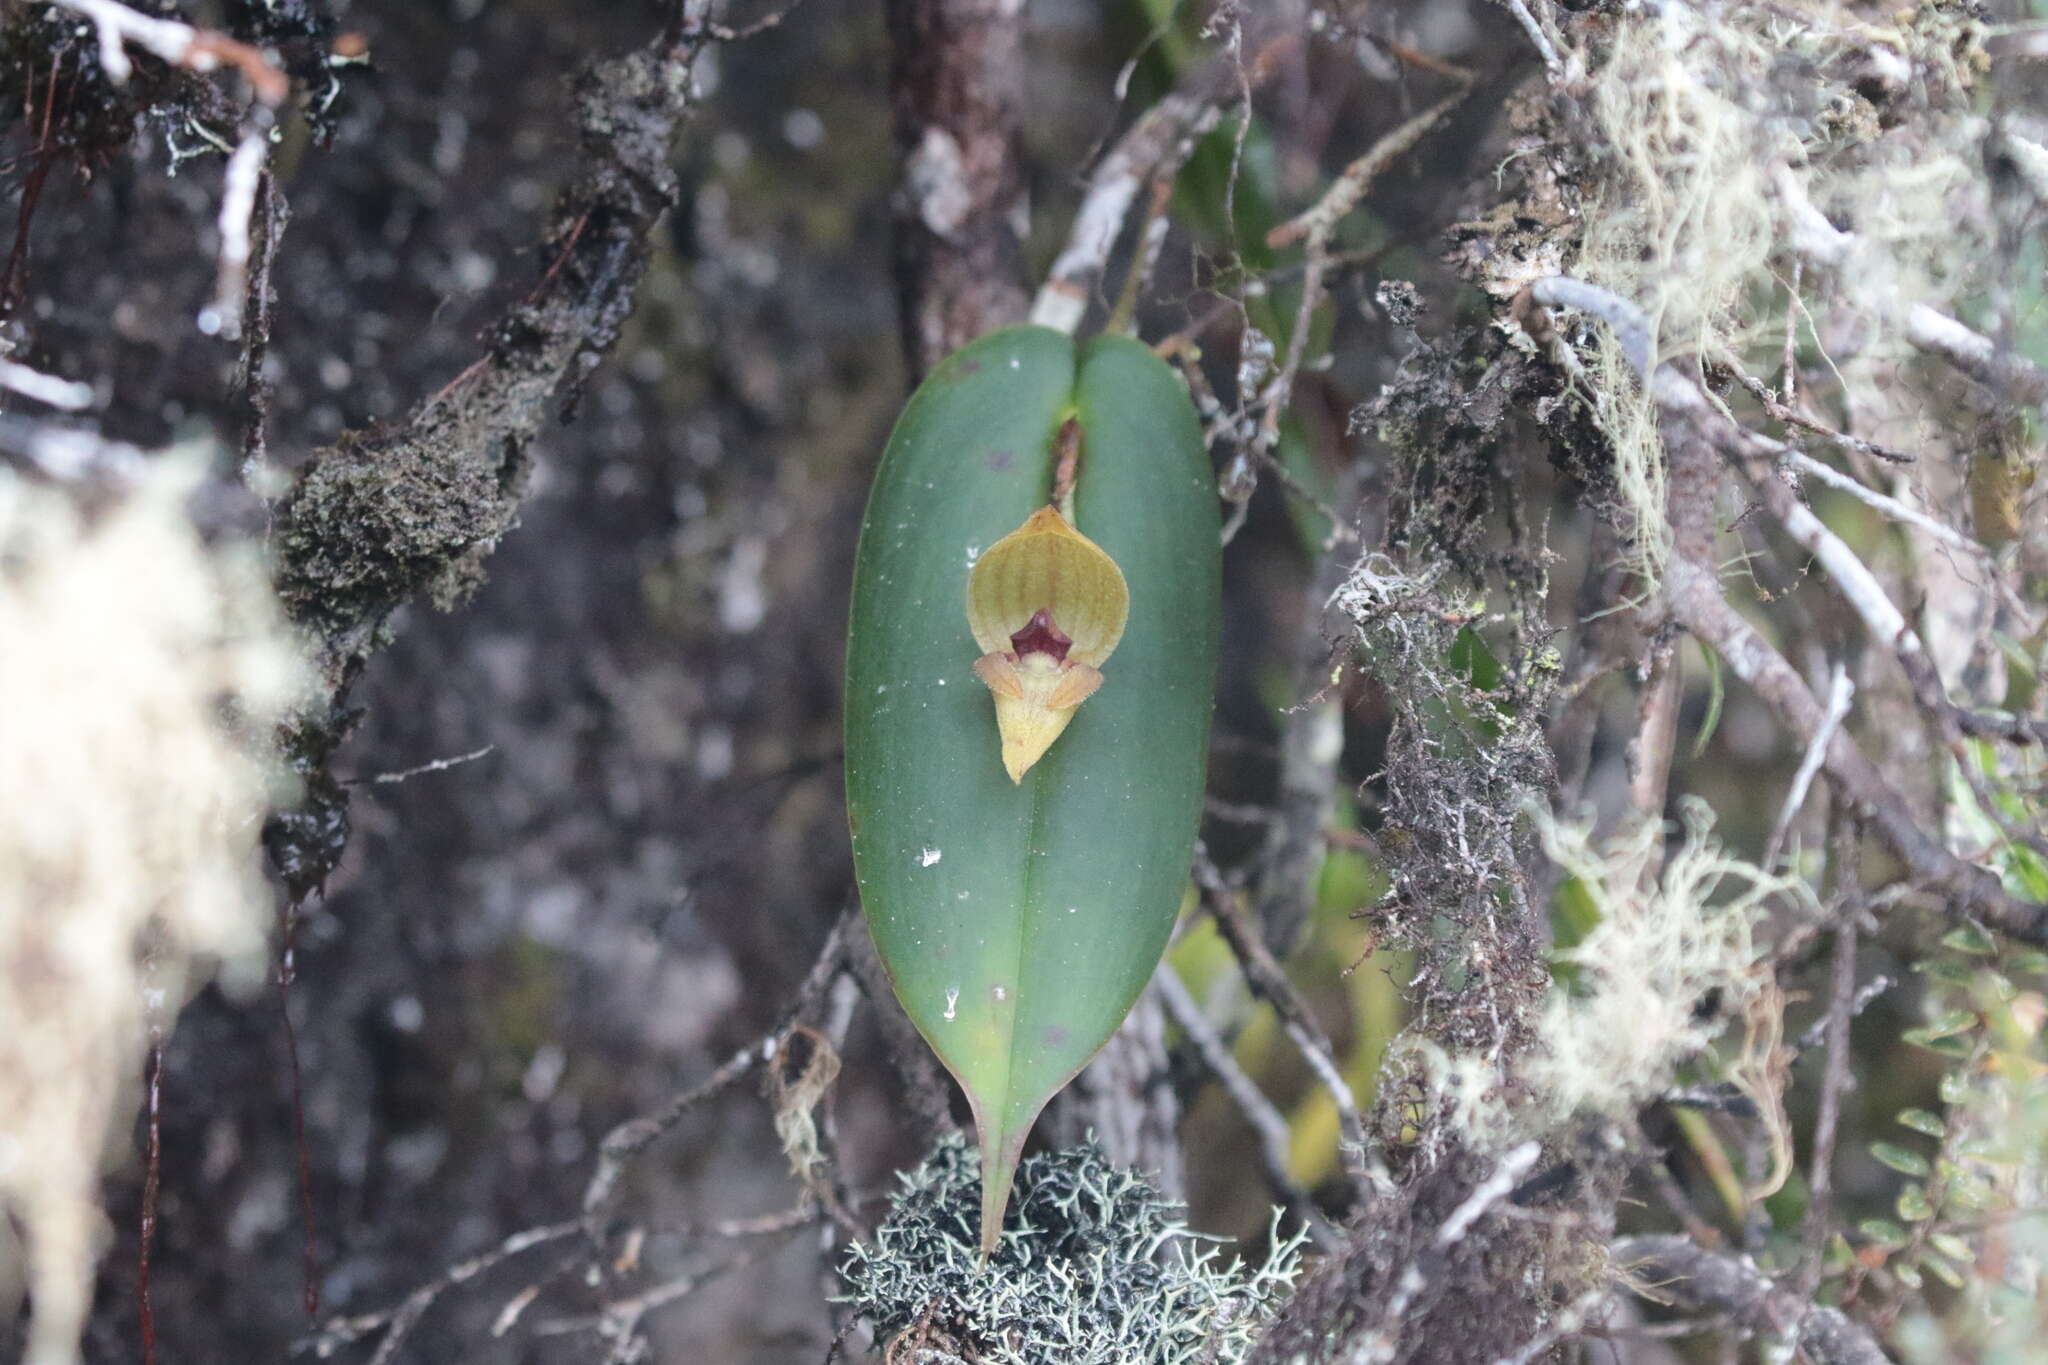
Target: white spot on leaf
929,856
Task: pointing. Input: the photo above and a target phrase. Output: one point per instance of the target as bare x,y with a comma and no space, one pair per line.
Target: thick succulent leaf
1019,921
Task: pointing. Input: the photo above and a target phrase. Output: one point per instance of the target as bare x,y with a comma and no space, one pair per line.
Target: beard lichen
141,673
1678,168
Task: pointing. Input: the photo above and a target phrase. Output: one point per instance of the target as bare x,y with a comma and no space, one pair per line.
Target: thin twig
397,1321
1311,743
926,1091
1755,457
618,1149
195,49
1314,227
1544,47
1269,982
1891,507
1697,603
69,454
50,391
1695,430
1161,134
627,1140
1781,410
436,766
1834,1079
1651,751
1976,355
239,184
1267,1124
1840,692
618,1322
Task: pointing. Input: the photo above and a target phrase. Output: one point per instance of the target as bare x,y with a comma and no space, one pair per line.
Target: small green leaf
1913,1205
1948,1023
1947,1045
1921,1121
1883,1232
1972,1194
1908,1274
1020,920
1954,1247
1947,969
1902,1159
1941,1270
2029,962
1969,938
1953,1087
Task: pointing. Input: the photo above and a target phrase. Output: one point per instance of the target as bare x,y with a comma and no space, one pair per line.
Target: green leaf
1969,938
1883,1232
1949,1023
1943,1044
1972,1194
1019,922
1948,970
1913,1204
1922,1121
1941,1270
2030,962
1901,1159
1953,1247
1908,1274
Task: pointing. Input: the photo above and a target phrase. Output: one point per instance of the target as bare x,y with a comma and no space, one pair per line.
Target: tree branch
957,78
1673,1269
385,514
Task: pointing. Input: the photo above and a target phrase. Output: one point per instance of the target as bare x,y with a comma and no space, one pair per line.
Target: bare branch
1153,147
629,1139
1681,1272
1545,49
1976,355
1311,745
1835,1073
47,389
1693,432
1269,982
397,1322
1267,1124
1314,227
1755,456
957,75
180,44
1889,506
223,317
1840,691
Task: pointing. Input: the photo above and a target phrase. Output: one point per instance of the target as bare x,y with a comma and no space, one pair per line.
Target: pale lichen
141,674
1094,1267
